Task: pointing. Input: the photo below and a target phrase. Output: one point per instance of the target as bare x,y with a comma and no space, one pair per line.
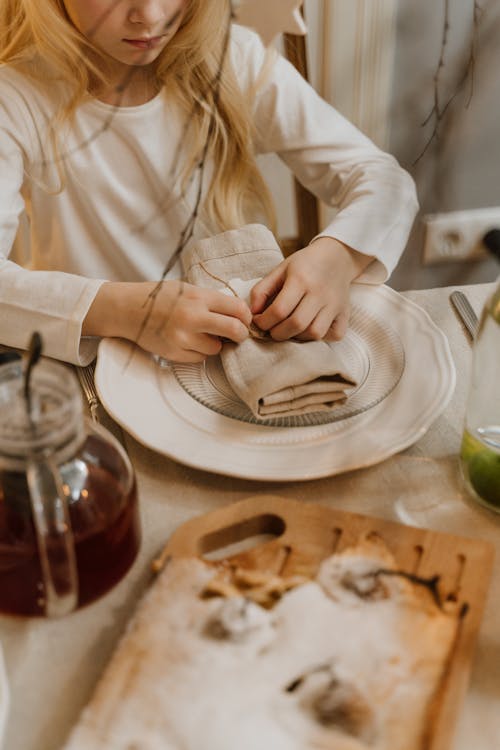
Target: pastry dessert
218,658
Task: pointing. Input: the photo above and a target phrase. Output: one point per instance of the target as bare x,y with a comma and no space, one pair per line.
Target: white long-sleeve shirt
119,218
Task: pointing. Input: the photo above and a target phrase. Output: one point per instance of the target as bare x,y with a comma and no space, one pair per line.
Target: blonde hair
217,113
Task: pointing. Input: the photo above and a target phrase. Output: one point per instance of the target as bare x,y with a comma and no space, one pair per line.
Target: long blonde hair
217,115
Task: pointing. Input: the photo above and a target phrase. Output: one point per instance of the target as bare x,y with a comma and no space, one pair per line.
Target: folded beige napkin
275,379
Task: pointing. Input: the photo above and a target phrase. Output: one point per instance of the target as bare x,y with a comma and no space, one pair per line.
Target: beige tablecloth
53,666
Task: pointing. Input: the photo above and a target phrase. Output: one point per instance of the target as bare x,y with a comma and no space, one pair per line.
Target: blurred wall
461,169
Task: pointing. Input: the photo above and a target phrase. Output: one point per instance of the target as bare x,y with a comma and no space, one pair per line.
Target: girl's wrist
120,308
106,316
353,262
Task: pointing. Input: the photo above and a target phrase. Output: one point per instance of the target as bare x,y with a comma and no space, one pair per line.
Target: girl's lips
154,41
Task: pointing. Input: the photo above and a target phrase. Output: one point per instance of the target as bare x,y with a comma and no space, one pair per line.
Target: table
53,665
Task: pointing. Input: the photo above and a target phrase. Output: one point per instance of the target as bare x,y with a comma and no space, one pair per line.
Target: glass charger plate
374,349
155,408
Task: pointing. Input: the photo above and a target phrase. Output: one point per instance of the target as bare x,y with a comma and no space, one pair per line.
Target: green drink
480,451
480,461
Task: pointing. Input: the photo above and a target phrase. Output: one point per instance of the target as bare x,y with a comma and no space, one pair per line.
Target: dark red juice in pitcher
104,518
69,518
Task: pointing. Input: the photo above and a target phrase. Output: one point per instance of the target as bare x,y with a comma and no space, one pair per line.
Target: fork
98,413
86,379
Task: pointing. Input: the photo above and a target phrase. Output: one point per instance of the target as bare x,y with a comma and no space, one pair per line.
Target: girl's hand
307,295
183,323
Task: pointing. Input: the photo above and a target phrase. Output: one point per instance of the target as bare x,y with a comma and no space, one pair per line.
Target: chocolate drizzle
432,584
335,703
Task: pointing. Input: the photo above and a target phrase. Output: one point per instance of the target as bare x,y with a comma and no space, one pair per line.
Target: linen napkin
275,379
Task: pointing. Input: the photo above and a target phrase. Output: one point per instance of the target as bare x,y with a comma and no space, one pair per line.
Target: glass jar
480,450
69,520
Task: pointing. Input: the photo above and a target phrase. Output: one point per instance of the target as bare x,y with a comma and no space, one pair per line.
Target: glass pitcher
69,520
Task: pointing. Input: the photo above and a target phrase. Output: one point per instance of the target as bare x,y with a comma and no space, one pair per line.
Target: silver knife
97,411
466,312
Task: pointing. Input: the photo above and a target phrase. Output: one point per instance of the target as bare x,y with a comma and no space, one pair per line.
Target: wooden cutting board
294,537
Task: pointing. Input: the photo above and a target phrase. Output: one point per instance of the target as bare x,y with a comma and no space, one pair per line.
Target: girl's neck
130,89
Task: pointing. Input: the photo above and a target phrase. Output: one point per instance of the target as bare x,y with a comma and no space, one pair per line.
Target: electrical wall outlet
456,236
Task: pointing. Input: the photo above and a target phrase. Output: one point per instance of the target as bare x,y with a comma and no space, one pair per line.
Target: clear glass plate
370,345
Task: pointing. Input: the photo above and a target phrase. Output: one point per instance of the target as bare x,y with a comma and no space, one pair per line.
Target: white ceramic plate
157,410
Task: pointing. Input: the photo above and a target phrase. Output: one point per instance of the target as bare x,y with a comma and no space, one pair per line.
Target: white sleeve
50,302
375,198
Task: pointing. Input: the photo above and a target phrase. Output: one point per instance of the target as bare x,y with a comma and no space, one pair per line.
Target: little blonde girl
128,127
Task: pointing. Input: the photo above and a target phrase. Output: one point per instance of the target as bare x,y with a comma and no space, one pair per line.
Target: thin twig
438,111
217,278
253,330
150,301
188,229
437,75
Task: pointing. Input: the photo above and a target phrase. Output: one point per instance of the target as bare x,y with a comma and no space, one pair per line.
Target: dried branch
188,229
438,111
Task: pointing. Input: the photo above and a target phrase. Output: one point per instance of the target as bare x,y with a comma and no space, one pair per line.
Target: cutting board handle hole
241,537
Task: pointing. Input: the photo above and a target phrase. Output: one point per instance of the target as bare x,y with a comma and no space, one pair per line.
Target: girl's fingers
225,304
338,328
298,321
206,345
319,327
227,327
266,289
281,307
201,346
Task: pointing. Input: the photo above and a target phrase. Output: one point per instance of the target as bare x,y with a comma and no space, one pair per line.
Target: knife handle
465,312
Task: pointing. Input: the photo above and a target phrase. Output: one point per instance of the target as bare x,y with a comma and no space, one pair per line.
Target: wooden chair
306,204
